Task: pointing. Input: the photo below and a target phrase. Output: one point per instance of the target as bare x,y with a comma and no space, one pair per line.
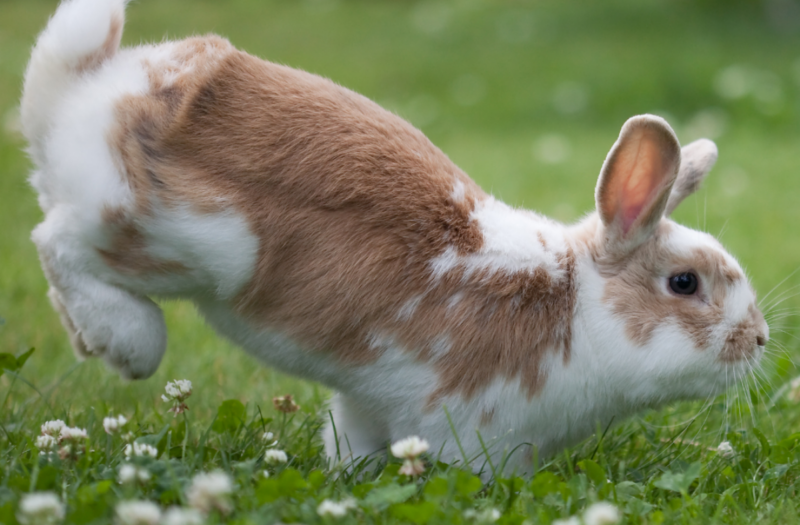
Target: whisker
705,211
778,350
708,405
722,230
778,299
777,285
786,309
783,311
759,374
748,377
763,398
787,333
778,322
739,395
781,392
779,355
782,300
697,213
727,400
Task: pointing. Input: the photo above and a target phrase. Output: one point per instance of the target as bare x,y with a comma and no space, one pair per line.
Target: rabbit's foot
351,433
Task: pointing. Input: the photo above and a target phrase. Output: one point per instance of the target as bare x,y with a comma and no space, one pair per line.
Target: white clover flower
601,513
73,434
178,392
409,448
53,428
267,436
70,440
137,512
131,473
265,473
112,424
336,509
275,456
40,508
725,449
46,443
210,491
140,450
483,516
179,516
572,520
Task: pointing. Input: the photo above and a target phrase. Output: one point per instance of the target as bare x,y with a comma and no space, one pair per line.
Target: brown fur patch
350,204
487,416
714,263
507,325
542,240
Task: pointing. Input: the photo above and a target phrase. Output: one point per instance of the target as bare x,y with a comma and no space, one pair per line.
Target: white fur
459,191
67,116
78,28
218,248
408,310
511,243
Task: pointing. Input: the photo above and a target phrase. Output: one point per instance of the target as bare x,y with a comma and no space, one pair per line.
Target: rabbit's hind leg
102,319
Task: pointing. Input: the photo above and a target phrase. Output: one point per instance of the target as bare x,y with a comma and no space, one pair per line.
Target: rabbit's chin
706,378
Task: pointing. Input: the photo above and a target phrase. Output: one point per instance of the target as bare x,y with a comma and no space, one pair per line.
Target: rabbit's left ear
697,159
636,180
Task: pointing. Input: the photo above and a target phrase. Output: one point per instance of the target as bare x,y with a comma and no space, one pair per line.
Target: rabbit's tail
80,37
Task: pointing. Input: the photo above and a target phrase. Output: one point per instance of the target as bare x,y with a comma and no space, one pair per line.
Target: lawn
527,97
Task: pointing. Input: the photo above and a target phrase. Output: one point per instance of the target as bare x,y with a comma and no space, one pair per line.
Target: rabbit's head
672,310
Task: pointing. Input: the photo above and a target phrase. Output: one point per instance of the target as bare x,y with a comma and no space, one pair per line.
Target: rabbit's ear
636,180
697,159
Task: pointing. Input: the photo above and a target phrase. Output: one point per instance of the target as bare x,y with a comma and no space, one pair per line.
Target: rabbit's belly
394,378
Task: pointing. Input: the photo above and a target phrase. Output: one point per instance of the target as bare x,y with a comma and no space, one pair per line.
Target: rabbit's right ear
636,180
697,159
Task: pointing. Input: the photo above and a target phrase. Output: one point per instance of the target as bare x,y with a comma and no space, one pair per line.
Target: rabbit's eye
683,283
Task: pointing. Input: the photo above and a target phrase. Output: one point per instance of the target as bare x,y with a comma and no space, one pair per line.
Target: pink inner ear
629,216
639,189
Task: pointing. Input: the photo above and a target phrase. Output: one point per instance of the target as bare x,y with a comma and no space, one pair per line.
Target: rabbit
332,240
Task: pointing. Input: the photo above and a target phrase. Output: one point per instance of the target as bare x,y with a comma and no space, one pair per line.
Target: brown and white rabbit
332,240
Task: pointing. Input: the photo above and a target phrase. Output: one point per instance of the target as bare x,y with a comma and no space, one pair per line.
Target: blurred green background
526,96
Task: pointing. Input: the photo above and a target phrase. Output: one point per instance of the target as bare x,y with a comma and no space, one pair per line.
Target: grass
527,97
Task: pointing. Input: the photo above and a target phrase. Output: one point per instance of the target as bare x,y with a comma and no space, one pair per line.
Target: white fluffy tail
79,38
